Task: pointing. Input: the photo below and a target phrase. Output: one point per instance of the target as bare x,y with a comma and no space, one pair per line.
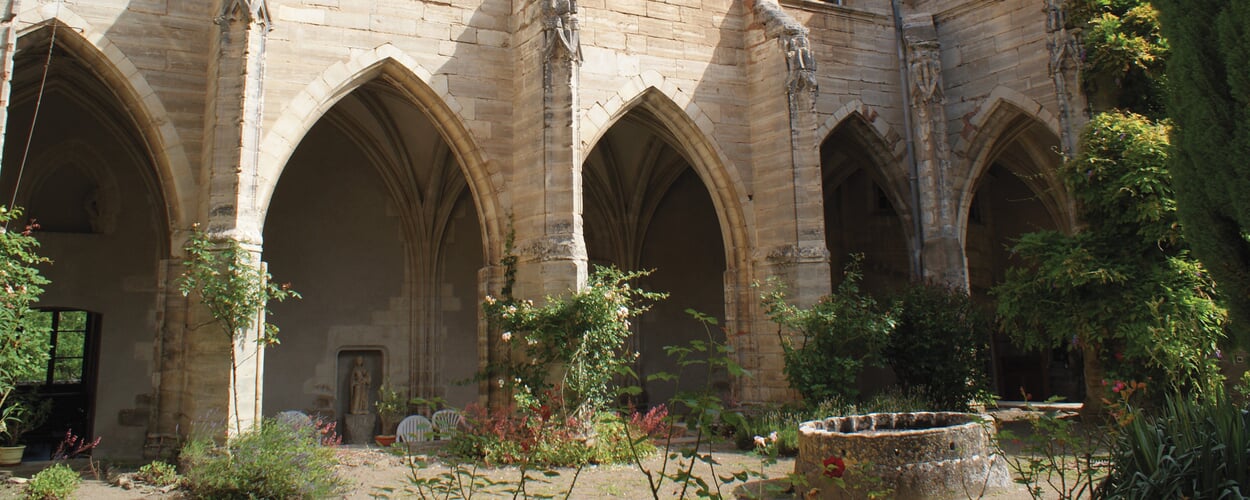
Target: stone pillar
232,136
943,254
169,377
548,204
788,193
1064,69
8,43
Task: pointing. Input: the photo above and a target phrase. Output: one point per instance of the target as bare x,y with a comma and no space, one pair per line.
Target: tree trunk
1094,375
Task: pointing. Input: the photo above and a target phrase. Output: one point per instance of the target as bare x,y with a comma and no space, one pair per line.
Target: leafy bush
23,346
273,460
837,337
581,337
158,473
1124,290
57,482
537,436
941,344
1190,449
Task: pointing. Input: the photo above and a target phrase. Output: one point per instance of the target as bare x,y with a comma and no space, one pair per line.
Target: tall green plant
836,338
1209,103
23,352
941,345
1189,449
235,289
1124,290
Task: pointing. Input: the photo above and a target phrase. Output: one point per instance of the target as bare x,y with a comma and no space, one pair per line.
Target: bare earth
370,470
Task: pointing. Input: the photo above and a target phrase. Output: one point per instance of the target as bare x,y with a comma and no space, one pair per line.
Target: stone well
918,455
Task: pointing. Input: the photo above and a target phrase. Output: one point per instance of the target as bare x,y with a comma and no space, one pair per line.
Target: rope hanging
30,135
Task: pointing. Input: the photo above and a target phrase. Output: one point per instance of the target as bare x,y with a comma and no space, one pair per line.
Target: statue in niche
1062,44
799,61
361,380
560,20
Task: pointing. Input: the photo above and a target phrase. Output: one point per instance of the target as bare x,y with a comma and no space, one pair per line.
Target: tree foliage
1209,104
831,342
582,336
1124,289
941,345
235,288
23,353
1124,54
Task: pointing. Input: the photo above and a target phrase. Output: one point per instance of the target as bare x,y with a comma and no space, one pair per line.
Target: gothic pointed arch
1024,144
141,106
647,206
688,135
87,155
867,204
388,64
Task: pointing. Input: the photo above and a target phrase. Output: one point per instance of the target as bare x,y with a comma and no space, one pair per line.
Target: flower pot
11,455
385,440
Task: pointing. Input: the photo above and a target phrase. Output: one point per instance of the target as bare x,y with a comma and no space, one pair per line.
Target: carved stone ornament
924,69
561,30
799,61
251,11
792,254
1062,44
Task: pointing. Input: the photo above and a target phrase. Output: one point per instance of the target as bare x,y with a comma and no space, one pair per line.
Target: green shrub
941,344
273,460
1188,450
158,473
54,483
536,436
836,338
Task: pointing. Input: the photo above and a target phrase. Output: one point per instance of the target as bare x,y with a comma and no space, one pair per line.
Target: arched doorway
90,181
863,212
373,222
645,207
1017,193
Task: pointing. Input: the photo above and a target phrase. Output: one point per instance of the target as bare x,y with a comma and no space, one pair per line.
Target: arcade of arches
380,167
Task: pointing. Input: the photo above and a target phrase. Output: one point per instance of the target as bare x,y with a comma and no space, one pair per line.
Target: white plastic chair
414,428
446,422
295,418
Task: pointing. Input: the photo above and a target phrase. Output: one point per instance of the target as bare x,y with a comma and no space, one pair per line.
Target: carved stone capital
797,254
550,248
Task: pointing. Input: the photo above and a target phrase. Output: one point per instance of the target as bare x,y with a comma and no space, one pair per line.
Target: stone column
8,44
232,136
548,204
943,254
788,193
168,381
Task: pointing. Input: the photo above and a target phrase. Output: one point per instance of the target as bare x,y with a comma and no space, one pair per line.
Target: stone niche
365,427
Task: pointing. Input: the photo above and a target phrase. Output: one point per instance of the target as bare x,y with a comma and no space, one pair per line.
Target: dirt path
375,473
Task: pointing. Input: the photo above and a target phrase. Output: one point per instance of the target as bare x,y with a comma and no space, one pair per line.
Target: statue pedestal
359,428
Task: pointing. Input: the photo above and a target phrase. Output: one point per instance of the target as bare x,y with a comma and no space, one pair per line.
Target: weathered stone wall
745,91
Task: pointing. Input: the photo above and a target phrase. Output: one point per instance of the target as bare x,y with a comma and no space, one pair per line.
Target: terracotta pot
385,440
11,455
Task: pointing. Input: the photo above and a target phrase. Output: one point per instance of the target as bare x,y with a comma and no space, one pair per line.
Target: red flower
834,467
